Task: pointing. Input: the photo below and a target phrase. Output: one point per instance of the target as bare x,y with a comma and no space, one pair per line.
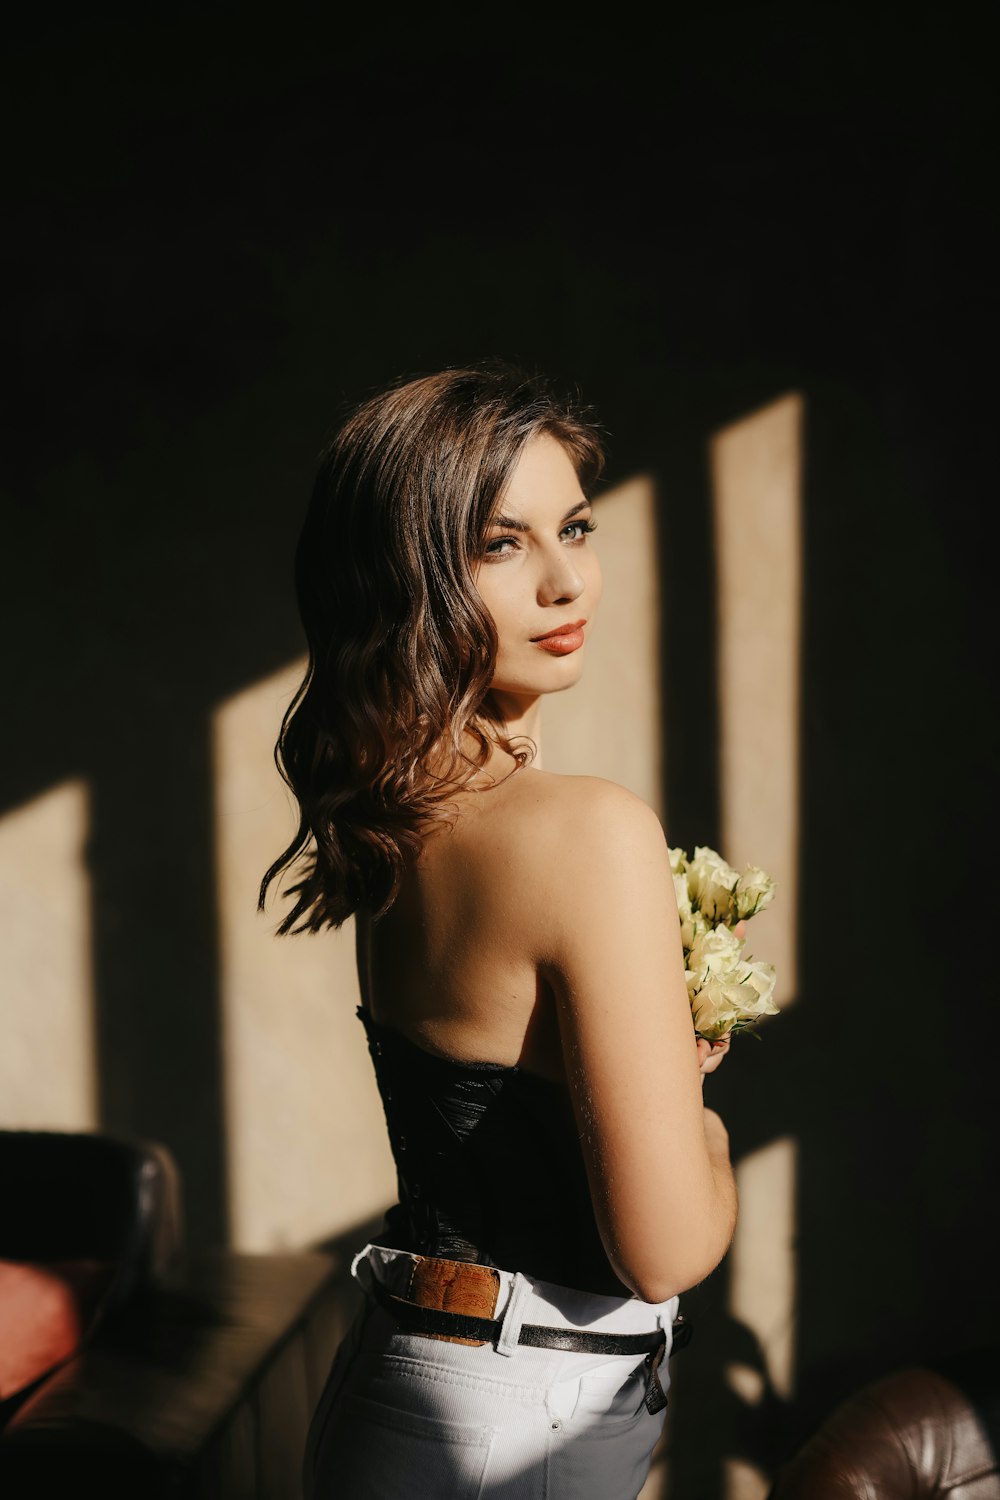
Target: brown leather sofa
930,1432
187,1375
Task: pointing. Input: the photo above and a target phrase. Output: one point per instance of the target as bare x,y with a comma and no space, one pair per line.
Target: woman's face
539,576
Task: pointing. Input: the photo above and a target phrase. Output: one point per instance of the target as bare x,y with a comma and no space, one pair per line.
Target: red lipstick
562,640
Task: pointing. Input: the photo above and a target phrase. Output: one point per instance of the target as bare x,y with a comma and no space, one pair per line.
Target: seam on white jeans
416,1371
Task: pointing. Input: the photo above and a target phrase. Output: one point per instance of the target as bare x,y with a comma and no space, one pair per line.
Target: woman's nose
561,581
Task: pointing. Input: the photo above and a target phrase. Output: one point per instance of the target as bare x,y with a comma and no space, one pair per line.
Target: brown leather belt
455,1301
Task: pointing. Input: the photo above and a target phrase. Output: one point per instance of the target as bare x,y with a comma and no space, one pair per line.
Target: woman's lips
562,640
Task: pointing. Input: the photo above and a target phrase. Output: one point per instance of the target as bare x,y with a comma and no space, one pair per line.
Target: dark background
221,227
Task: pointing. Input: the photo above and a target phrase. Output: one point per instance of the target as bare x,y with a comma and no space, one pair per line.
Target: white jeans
402,1415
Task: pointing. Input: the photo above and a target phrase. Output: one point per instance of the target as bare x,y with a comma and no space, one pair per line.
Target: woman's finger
710,1054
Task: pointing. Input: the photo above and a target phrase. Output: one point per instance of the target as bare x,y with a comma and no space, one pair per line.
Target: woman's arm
657,1160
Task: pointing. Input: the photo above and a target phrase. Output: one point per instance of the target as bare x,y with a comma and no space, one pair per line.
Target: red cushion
46,1311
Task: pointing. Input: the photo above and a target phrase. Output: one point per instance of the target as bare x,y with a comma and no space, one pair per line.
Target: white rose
716,951
732,1000
753,891
678,860
693,926
711,882
684,912
714,1005
757,981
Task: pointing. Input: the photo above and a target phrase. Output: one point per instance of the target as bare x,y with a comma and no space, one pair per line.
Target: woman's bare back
455,963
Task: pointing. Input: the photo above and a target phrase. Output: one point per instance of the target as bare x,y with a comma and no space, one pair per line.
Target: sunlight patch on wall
610,724
743,1481
306,1136
762,1292
762,1279
47,1066
756,476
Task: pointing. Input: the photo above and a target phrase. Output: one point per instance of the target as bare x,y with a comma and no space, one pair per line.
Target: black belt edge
416,1319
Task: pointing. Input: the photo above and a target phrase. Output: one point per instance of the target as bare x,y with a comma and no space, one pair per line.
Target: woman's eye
579,529
498,547
506,546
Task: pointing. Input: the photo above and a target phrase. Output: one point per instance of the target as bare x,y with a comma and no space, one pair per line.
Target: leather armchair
926,1433
86,1222
197,1375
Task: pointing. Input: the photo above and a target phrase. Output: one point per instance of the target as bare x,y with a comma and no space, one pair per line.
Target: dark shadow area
343,1248
218,235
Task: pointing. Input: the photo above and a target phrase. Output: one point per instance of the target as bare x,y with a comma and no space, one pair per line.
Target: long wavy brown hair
401,647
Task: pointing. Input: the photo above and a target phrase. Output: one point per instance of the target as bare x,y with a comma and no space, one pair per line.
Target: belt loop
362,1273
667,1318
357,1261
378,1265
513,1315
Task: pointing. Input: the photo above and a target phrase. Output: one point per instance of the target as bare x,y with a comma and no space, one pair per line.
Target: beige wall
306,1144
756,484
47,1075
756,466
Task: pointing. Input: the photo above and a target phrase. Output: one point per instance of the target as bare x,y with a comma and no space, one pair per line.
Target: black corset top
489,1166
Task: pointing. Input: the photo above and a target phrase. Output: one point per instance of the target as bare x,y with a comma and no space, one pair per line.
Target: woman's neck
522,719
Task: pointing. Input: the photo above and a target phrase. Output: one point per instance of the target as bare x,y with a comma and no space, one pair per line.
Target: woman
520,965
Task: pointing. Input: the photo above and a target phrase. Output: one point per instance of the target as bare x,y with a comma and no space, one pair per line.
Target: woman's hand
710,1054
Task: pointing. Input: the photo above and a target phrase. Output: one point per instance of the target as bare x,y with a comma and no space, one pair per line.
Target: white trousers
403,1415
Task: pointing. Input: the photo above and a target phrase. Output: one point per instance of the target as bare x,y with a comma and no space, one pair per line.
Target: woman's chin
563,672
567,678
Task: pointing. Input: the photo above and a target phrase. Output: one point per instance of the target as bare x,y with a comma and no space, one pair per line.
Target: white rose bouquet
727,991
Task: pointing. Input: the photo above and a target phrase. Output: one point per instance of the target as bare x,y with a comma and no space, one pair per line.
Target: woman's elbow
669,1272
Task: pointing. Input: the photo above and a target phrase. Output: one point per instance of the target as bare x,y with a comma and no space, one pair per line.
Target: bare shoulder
582,848
579,815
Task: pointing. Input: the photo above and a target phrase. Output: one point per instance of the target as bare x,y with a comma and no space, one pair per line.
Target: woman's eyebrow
509,524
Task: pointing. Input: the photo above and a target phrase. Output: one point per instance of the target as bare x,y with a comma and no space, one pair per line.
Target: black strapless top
489,1166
